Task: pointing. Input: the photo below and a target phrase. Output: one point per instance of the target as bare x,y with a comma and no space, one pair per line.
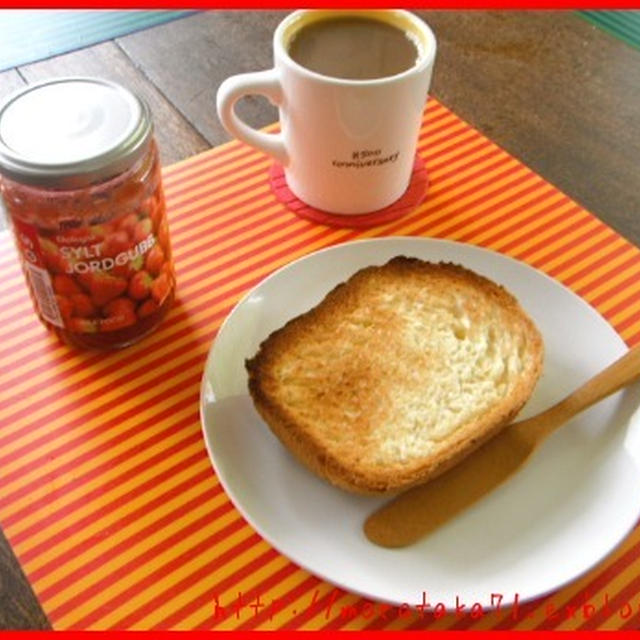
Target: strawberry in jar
80,181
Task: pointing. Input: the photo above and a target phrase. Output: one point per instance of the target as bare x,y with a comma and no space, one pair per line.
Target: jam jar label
101,277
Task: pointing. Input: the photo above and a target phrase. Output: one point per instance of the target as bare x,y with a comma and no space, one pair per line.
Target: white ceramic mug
347,146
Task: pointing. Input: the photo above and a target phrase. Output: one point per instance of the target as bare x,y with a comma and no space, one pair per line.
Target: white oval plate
559,516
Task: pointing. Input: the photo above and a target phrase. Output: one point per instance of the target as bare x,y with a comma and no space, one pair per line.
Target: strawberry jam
90,220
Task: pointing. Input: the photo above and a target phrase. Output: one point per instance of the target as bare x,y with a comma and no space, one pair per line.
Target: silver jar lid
68,133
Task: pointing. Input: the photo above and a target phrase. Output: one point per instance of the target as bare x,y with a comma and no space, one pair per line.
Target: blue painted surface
29,35
621,24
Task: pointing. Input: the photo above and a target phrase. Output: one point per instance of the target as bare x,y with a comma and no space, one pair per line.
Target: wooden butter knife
411,515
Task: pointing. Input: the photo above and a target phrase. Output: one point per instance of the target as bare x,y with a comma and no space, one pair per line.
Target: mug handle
263,83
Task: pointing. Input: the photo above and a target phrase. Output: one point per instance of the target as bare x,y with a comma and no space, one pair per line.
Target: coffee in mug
354,47
351,87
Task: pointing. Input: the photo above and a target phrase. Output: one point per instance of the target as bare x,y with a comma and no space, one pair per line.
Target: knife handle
616,376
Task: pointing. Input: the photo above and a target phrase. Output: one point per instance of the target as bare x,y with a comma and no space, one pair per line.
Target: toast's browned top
396,373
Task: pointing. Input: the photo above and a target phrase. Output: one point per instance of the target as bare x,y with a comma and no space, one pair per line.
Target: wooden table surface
556,92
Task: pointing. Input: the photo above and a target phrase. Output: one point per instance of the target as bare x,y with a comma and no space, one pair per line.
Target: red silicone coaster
412,197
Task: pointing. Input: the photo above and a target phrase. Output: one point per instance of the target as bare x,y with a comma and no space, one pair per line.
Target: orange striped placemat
106,492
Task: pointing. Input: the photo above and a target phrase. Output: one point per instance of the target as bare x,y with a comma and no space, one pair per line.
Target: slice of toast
397,375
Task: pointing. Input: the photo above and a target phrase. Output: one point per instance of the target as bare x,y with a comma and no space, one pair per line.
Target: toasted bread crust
332,382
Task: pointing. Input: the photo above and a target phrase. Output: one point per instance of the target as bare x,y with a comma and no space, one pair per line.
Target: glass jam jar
81,184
